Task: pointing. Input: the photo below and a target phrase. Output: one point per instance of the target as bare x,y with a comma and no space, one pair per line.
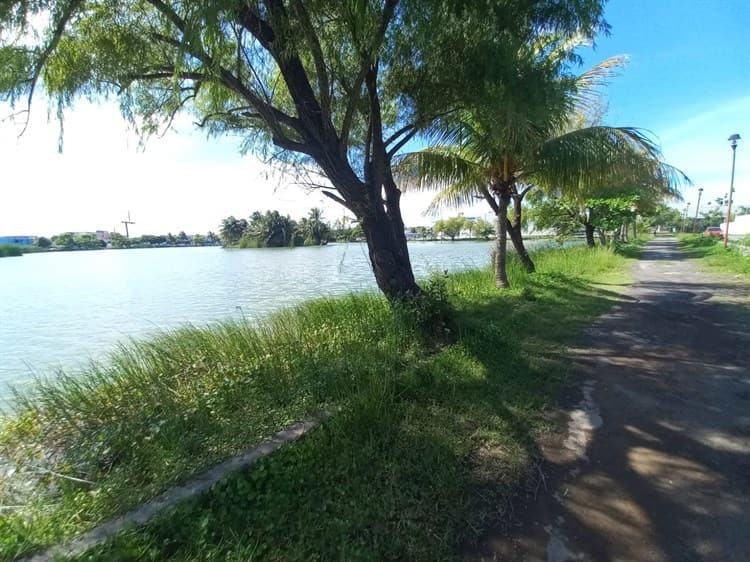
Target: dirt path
655,464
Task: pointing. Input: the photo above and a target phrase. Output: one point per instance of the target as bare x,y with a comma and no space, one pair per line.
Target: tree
339,86
65,240
482,228
43,242
120,241
451,227
269,230
231,230
313,230
539,137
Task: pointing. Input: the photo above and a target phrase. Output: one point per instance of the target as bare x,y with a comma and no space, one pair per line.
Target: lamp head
733,140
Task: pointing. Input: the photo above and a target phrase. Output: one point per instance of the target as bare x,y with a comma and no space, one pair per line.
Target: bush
10,250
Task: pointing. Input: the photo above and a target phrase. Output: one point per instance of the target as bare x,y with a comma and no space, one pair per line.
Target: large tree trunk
389,256
501,245
590,235
516,236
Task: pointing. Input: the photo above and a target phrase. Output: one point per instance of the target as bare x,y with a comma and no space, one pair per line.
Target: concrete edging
191,489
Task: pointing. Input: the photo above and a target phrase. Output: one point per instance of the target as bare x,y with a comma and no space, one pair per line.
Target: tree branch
401,143
336,198
317,53
67,14
490,199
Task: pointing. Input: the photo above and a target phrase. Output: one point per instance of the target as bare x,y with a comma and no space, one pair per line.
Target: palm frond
588,84
592,156
436,168
459,194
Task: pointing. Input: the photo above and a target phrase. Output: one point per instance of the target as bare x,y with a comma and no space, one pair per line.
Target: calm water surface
62,309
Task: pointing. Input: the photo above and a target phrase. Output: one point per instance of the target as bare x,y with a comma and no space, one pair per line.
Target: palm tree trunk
589,235
516,236
501,245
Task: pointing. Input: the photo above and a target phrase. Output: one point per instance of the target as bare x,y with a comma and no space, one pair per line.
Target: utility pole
126,223
697,207
685,217
733,143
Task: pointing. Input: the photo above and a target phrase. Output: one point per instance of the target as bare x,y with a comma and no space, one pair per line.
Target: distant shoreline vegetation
10,250
274,230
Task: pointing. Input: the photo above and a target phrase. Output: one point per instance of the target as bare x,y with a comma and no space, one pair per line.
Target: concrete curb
191,489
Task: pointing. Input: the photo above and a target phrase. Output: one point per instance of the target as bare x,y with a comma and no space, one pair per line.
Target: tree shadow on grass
669,477
415,468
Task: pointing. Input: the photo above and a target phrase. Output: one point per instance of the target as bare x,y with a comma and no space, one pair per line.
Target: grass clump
712,253
426,446
10,250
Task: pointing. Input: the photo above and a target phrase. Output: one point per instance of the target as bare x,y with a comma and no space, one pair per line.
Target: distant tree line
90,241
274,230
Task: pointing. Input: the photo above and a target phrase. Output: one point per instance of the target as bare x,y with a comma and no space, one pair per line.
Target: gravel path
655,462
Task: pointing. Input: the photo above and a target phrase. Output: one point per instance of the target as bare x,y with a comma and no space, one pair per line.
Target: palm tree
313,229
531,136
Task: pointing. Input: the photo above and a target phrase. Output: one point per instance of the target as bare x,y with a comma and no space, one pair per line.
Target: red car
713,231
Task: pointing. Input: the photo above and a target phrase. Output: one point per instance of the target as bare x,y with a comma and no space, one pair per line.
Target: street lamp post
697,207
733,143
685,217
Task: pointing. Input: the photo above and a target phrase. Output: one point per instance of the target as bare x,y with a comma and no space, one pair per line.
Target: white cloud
698,145
182,181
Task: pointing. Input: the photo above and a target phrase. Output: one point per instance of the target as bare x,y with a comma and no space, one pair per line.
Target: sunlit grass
425,446
710,250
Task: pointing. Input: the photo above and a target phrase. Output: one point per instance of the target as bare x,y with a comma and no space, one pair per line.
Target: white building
739,226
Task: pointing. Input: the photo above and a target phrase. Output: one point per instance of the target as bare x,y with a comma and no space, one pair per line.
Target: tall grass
10,250
710,250
426,444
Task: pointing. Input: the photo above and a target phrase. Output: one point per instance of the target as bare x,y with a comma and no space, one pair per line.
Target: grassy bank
427,444
710,250
10,250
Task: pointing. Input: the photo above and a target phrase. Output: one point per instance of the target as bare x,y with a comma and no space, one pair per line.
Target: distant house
17,240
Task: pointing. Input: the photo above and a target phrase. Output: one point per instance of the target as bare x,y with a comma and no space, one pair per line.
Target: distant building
18,240
103,235
739,226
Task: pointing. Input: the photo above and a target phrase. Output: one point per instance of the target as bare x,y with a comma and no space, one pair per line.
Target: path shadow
668,475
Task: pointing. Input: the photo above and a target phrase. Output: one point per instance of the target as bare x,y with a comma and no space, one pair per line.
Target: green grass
427,444
10,250
710,250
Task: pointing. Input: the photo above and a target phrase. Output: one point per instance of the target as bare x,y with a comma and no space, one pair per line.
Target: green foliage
437,433
481,228
710,250
430,313
10,250
451,227
43,242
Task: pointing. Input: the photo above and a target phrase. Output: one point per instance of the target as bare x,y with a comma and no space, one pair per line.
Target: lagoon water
59,310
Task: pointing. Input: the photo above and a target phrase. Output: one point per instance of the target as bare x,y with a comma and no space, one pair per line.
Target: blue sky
688,82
